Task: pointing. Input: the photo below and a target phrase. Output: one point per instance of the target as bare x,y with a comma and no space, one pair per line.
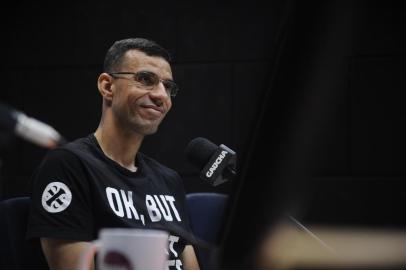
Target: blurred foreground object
28,128
288,247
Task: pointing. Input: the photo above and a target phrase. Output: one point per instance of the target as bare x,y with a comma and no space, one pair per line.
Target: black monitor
301,160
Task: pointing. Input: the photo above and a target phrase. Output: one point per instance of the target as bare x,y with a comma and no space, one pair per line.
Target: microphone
217,163
29,128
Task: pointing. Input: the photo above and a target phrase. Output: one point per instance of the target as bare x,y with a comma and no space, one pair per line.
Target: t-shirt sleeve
60,199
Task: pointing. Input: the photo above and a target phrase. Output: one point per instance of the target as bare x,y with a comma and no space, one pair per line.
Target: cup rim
132,232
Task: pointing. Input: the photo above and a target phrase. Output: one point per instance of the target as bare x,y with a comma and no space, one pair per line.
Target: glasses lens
150,79
146,78
171,87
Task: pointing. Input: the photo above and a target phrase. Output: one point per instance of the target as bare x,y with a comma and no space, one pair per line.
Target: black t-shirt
77,190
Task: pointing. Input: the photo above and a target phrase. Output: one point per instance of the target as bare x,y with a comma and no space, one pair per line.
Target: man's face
136,107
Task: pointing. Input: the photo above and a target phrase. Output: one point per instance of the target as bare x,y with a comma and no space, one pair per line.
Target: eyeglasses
150,80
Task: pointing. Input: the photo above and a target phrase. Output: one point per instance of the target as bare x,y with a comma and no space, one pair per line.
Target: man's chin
145,126
146,129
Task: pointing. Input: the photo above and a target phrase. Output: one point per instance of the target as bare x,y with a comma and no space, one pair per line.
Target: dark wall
53,54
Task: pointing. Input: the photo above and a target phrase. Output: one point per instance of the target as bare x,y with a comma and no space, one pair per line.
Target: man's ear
104,84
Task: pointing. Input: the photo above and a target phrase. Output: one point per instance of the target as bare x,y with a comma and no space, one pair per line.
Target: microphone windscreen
199,151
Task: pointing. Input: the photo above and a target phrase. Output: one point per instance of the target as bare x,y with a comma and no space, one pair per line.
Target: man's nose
160,90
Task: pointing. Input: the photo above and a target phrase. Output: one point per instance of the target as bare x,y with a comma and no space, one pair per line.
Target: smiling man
102,180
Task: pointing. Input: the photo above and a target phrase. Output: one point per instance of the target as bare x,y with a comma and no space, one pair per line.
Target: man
103,180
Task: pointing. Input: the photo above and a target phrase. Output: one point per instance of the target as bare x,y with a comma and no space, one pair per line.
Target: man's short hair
120,47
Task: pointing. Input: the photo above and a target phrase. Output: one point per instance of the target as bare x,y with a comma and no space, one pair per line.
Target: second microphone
217,163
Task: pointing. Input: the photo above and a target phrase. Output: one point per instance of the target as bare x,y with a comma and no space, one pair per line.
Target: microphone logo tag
216,163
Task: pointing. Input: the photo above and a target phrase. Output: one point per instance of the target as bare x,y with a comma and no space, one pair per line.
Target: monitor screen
325,148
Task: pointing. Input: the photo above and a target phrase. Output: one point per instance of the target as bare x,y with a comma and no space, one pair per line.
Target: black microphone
28,128
217,163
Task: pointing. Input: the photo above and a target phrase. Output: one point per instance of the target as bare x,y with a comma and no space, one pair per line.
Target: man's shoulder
83,143
72,151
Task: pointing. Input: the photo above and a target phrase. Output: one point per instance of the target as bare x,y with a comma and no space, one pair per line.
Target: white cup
127,248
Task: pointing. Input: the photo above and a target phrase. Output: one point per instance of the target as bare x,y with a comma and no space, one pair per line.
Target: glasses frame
172,92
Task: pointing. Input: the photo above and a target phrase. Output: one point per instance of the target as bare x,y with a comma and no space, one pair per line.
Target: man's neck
119,146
